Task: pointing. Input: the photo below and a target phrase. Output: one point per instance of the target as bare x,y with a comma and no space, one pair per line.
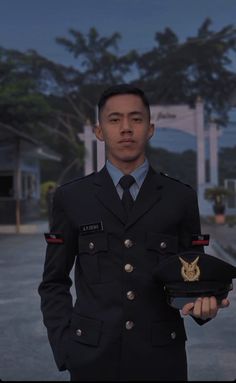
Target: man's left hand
204,307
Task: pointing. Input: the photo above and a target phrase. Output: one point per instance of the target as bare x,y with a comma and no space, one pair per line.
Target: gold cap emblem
190,271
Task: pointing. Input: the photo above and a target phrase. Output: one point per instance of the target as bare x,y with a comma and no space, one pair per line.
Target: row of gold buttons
128,243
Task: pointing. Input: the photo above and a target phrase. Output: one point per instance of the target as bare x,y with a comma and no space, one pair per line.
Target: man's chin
129,159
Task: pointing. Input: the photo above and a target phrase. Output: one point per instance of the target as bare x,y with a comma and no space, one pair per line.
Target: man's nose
126,126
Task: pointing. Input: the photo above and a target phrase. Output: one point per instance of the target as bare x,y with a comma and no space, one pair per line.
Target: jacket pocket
86,330
91,247
168,333
162,243
92,244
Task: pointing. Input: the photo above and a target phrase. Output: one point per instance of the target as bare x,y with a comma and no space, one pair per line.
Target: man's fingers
197,310
213,307
204,307
224,303
187,309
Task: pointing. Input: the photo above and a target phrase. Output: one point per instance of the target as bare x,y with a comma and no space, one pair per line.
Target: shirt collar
139,173
114,172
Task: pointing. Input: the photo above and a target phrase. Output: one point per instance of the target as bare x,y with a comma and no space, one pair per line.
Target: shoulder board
175,179
76,179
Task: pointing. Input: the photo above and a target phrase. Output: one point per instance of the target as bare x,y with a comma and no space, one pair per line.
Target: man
120,327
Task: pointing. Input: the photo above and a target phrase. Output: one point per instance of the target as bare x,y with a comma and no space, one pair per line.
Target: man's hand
204,308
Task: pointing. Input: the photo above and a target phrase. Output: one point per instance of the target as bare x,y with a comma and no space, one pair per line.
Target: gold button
128,243
78,332
129,324
91,245
173,335
163,245
128,268
130,295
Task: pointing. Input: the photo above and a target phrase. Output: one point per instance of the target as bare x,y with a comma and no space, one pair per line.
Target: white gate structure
179,117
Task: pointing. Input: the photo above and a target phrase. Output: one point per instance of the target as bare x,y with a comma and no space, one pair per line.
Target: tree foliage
98,56
179,72
33,98
21,101
52,102
99,65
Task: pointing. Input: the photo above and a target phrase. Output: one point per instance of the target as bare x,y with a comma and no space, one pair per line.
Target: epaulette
76,179
175,179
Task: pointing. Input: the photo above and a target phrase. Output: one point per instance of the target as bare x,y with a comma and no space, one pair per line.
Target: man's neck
127,167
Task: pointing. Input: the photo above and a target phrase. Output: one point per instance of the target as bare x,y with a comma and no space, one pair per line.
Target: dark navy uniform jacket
120,326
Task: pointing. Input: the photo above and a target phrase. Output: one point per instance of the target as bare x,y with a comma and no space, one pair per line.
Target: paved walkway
24,349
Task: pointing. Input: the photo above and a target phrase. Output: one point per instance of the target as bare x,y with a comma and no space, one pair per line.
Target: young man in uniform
116,225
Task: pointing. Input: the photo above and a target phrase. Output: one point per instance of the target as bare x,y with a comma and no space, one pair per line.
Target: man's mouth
126,141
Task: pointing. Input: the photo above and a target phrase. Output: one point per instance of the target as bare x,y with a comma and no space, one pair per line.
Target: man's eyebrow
114,114
135,112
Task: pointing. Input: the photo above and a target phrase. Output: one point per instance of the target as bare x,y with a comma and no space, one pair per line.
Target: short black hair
120,89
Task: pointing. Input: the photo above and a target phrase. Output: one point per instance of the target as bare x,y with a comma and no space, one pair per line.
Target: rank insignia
54,238
200,239
190,271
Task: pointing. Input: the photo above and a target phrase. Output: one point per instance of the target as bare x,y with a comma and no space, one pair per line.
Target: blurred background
56,57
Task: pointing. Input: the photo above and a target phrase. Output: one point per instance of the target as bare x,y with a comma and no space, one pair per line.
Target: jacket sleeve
191,225
54,289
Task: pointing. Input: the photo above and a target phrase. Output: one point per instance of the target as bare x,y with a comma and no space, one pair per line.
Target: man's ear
98,132
151,130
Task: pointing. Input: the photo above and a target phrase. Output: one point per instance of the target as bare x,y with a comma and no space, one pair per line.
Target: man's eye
114,120
137,119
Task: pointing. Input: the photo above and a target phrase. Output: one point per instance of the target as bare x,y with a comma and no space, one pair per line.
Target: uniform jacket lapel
107,194
149,194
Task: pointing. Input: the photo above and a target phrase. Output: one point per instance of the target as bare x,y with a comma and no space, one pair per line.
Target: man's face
125,127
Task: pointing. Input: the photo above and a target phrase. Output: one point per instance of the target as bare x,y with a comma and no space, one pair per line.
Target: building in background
20,157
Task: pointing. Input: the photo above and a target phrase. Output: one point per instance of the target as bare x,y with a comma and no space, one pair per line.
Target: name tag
94,227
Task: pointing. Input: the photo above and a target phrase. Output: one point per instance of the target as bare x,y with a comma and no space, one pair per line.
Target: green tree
33,99
62,129
179,72
52,102
99,65
21,102
98,57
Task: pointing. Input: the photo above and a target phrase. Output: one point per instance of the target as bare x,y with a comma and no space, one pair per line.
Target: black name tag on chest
89,228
